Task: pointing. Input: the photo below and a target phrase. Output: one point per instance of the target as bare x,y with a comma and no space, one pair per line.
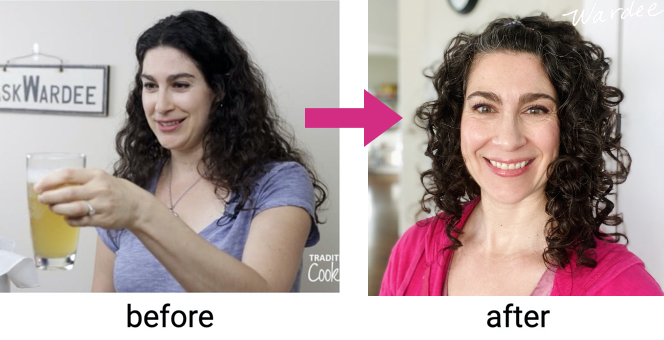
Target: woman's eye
149,86
537,110
483,108
180,85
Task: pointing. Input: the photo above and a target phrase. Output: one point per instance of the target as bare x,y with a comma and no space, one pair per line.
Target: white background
350,314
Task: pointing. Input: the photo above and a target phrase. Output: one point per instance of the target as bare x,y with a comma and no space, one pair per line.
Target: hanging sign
54,89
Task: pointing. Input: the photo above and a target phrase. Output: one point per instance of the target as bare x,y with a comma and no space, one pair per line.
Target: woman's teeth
171,123
505,166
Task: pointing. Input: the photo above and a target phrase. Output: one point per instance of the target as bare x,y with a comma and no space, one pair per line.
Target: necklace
170,197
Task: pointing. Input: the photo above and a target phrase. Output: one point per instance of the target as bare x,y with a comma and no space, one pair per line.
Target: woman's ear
218,99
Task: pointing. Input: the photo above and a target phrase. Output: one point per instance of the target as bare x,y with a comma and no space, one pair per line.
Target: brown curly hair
244,134
578,179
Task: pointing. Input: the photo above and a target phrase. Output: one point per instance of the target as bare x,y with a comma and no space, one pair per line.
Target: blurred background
406,37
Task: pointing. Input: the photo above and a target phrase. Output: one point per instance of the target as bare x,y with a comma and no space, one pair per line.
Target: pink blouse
543,288
415,267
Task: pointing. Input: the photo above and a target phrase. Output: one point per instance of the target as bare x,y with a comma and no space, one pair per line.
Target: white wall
637,70
295,43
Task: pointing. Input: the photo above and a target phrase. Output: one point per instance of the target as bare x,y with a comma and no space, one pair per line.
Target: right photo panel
523,165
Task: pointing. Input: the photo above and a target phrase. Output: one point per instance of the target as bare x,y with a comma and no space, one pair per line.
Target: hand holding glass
54,241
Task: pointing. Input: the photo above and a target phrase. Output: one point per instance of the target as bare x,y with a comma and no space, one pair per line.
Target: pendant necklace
170,197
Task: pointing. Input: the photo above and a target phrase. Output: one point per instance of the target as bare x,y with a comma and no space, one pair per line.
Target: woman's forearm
195,263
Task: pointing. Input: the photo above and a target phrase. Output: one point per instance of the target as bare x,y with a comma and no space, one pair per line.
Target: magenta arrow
375,118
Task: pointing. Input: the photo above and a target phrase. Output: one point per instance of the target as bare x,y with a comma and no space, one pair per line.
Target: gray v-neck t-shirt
284,184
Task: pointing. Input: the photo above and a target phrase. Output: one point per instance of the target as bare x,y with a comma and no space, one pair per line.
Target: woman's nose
509,134
164,103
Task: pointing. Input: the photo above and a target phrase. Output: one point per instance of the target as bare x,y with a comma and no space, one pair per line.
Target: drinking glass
54,241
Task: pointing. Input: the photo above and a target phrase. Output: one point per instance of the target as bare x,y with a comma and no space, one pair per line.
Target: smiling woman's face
509,126
176,98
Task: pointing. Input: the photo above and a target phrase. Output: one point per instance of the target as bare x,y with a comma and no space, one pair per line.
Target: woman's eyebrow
487,95
525,98
531,97
170,78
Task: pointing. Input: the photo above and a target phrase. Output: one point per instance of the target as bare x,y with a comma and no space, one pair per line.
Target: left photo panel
163,147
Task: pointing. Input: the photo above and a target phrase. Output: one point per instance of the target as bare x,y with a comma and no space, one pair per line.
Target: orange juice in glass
54,241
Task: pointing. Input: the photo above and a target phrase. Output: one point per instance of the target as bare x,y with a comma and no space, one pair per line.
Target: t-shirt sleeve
633,281
109,237
289,184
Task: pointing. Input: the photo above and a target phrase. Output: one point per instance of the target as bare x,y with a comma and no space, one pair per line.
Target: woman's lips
510,168
169,125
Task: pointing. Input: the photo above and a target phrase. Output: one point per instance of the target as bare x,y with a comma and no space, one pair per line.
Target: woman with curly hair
209,193
518,137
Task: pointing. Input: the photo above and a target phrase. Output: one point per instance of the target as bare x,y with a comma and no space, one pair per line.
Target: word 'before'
166,317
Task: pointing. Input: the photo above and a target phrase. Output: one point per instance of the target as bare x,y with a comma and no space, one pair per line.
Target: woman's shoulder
405,258
423,237
284,171
432,230
412,238
284,184
413,255
290,177
416,250
424,229
285,165
623,273
618,272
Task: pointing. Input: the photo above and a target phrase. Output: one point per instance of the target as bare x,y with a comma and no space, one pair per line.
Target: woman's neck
185,164
506,229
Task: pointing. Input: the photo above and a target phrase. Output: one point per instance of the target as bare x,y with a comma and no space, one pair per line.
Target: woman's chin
179,145
170,142
507,195
167,144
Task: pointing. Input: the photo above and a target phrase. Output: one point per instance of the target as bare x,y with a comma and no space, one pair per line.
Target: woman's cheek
473,136
551,137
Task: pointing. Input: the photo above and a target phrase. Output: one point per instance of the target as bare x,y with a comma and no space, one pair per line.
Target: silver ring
91,210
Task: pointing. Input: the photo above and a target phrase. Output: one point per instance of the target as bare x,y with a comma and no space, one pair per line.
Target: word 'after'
531,317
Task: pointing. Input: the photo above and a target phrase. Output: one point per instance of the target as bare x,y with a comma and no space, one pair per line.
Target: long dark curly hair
578,179
243,135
